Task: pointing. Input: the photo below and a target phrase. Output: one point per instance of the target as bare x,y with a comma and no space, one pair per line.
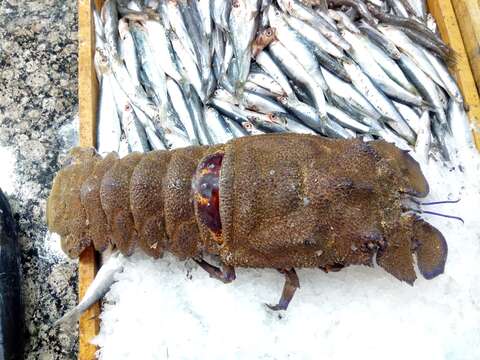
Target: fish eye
273,118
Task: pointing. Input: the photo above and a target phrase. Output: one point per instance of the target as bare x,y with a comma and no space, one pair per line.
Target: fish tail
71,316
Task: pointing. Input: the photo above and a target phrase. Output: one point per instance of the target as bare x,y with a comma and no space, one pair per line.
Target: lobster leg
226,274
291,285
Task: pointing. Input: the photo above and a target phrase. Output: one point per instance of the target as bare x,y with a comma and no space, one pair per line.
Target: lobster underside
276,201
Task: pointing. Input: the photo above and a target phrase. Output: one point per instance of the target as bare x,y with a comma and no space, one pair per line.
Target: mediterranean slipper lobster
281,201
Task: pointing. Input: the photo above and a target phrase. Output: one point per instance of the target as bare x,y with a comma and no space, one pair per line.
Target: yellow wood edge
443,12
89,324
468,17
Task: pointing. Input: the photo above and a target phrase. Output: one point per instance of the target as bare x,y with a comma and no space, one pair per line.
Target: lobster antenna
441,215
440,202
435,202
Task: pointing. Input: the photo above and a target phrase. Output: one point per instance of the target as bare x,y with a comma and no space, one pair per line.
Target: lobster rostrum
281,201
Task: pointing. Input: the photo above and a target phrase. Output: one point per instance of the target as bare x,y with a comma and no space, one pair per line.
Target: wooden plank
443,11
468,17
89,324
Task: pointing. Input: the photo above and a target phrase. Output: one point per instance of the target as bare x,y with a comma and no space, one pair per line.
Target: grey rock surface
38,105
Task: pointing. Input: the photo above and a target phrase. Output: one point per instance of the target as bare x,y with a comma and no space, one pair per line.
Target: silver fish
380,39
154,140
108,123
154,74
220,12
236,129
293,125
390,67
219,130
350,94
188,66
193,22
424,137
361,54
242,25
344,20
177,99
398,8
254,88
99,30
297,46
306,113
346,120
109,15
379,101
124,148
425,86
413,51
260,103
450,84
461,127
128,52
178,25
267,82
97,289
196,109
271,68
410,116
420,7
204,10
300,11
296,71
162,49
357,113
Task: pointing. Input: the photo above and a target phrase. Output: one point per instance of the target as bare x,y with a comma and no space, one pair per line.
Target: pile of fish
175,73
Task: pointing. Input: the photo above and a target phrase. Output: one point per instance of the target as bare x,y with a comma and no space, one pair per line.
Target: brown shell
285,201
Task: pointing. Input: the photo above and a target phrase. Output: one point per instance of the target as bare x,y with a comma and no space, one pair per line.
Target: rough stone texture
38,102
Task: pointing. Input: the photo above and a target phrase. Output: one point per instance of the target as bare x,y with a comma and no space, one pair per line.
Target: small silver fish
242,25
97,289
219,130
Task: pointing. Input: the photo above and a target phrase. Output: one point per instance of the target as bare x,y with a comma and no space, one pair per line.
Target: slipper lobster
281,201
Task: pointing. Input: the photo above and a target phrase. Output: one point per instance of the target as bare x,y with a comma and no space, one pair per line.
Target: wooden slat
443,12
87,96
468,17
89,322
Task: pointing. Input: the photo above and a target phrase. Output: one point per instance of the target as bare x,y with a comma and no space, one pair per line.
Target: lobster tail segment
65,214
115,199
147,202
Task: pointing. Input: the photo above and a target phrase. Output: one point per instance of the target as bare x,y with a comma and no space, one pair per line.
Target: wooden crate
468,15
88,94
